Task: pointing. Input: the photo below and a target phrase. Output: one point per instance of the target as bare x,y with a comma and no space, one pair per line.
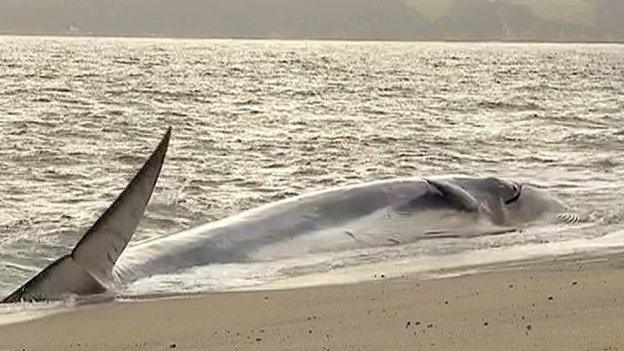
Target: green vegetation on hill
433,9
572,11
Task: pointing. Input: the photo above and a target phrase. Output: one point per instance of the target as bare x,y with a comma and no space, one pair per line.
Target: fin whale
380,213
387,212
88,268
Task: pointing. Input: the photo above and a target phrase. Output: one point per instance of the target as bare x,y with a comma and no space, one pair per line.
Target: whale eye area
517,190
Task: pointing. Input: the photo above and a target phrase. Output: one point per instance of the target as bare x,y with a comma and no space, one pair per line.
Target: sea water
259,121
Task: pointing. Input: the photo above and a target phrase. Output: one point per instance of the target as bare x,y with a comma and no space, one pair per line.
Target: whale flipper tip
88,269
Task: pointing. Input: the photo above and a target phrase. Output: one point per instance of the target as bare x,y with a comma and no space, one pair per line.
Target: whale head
530,203
514,203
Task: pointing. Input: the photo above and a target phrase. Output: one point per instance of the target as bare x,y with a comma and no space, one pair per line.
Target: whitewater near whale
387,212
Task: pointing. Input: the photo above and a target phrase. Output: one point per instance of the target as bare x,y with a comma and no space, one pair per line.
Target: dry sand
574,304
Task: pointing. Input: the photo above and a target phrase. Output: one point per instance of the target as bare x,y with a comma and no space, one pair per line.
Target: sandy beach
571,304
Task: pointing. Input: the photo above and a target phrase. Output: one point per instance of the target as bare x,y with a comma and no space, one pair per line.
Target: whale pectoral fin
88,269
103,243
455,195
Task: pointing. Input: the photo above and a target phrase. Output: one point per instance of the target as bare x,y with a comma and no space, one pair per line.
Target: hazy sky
331,19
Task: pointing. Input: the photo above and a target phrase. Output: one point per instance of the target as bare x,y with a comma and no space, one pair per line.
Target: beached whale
387,212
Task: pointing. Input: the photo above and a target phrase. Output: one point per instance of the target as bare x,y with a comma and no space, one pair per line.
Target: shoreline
336,40
564,303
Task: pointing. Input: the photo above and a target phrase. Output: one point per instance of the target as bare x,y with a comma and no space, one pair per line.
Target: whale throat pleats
88,269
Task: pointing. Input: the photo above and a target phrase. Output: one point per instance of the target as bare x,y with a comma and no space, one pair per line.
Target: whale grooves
386,212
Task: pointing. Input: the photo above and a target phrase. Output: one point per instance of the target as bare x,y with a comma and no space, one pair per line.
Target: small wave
508,106
57,89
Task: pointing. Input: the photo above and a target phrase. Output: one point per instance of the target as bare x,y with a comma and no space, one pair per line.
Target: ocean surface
259,121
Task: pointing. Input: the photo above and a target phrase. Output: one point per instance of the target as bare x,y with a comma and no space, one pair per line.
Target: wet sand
572,304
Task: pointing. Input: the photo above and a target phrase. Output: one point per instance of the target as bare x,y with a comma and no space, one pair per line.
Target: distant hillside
544,20
554,20
573,11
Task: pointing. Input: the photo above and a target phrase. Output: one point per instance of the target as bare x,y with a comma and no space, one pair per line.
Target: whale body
387,212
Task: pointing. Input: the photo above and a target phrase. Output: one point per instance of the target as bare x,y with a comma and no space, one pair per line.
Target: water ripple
257,121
